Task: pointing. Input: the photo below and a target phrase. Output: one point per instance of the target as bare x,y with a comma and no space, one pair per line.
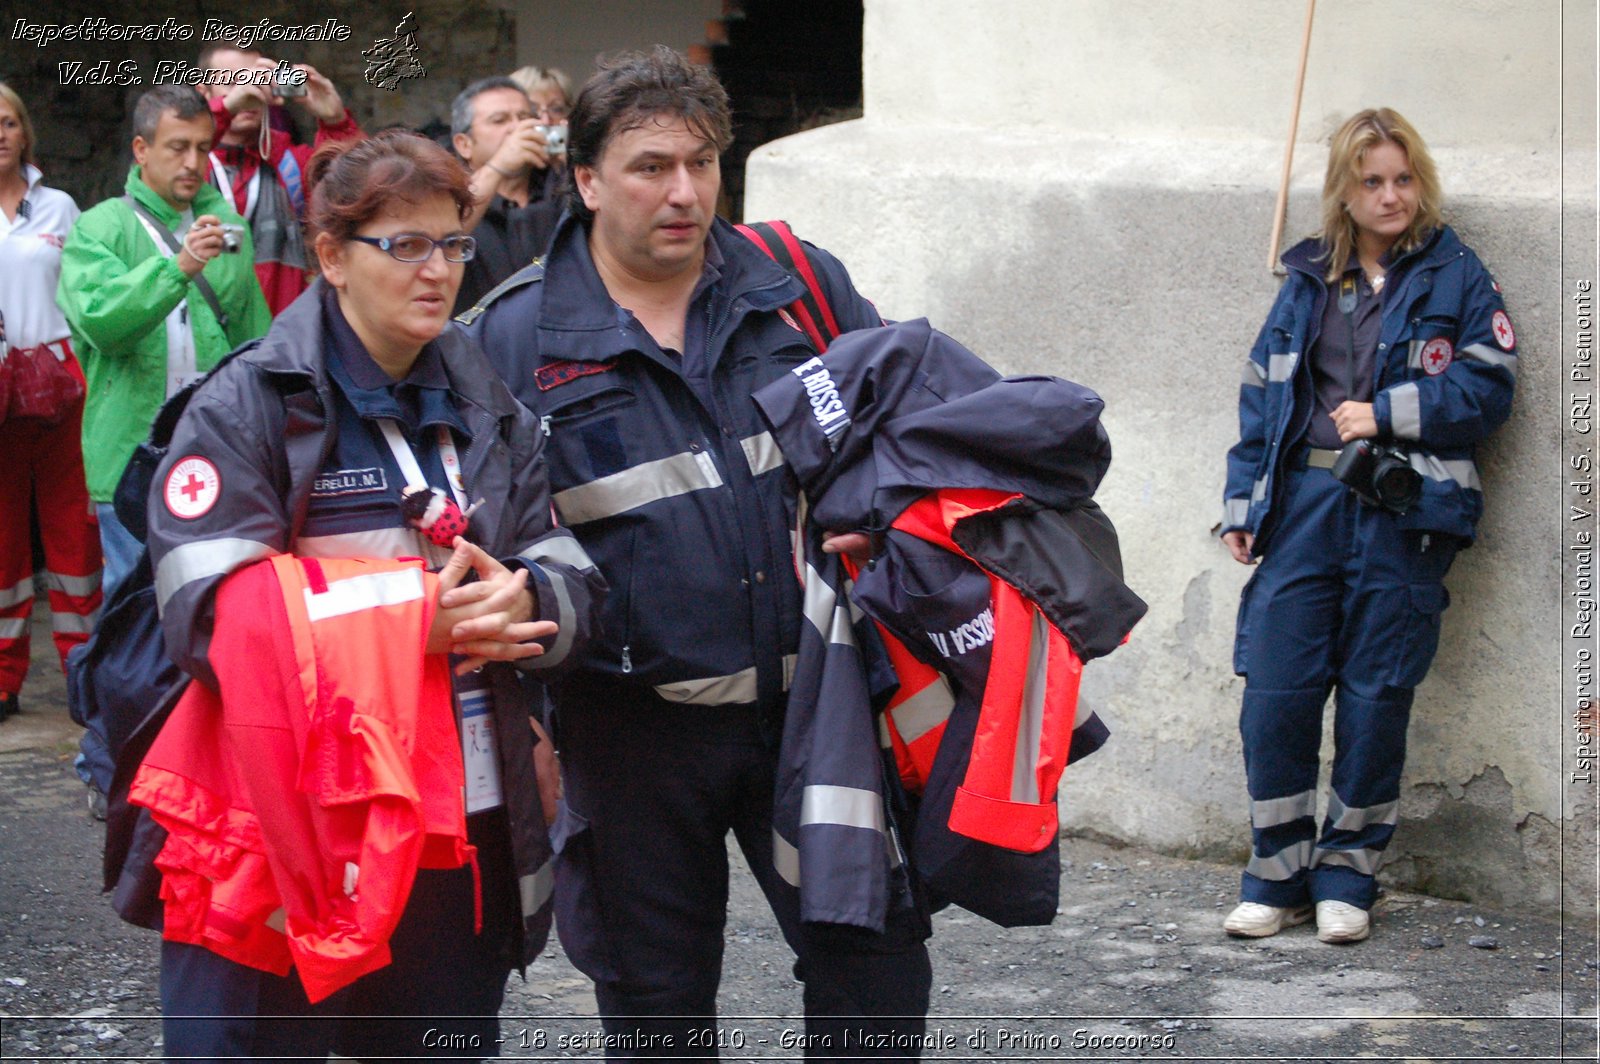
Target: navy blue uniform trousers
1346,600
652,790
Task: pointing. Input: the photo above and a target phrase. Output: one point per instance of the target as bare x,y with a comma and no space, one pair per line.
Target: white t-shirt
30,263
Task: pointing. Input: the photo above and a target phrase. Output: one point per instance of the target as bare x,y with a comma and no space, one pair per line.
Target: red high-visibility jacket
302,796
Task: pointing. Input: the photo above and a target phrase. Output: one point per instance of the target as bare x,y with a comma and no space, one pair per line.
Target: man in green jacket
142,325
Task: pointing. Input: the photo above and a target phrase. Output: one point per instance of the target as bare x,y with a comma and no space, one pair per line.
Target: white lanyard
252,187
412,471
181,362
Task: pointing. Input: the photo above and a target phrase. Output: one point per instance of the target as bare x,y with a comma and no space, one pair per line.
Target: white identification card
478,750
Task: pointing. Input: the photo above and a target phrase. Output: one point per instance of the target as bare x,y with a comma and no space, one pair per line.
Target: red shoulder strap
811,310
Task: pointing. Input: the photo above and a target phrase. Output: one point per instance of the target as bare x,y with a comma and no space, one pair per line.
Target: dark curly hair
353,181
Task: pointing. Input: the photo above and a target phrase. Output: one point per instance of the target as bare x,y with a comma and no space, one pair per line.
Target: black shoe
10,706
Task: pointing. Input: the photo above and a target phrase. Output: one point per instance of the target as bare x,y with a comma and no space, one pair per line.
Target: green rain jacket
116,290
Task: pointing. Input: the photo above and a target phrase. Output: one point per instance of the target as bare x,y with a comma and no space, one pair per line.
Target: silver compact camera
232,237
287,83
555,139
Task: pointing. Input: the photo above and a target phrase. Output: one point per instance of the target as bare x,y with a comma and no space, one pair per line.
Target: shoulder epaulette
529,274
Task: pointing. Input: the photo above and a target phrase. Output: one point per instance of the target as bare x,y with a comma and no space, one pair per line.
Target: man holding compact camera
257,166
514,156
153,294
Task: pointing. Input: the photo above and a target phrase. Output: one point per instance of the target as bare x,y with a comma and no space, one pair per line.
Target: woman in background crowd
43,456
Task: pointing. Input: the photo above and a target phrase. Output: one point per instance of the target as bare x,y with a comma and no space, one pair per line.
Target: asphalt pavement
1134,966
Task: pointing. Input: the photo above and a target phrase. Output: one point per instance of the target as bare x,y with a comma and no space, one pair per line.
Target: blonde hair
9,95
531,78
1346,152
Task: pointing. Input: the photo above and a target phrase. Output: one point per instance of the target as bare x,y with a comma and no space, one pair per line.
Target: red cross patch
192,488
558,373
1436,356
1503,334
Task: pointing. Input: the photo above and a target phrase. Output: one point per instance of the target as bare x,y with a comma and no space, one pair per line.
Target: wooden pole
1281,210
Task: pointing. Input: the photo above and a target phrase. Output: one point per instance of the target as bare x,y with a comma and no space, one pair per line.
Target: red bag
42,384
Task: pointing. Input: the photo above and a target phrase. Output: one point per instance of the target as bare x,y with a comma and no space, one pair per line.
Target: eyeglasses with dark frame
414,247
551,112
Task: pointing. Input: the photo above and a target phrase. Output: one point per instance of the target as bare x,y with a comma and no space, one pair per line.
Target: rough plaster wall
1132,259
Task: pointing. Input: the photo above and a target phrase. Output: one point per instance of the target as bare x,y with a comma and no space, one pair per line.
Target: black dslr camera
1379,475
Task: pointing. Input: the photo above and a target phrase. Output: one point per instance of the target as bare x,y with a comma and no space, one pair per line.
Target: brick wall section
84,131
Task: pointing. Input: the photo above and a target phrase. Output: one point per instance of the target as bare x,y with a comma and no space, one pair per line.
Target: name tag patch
558,373
349,482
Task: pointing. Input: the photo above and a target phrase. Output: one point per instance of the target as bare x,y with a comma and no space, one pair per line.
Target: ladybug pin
435,514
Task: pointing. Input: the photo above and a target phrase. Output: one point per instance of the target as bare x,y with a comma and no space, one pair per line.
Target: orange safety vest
301,799
1030,700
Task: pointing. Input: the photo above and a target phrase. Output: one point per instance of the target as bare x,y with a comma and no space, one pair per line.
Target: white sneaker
1339,921
1251,919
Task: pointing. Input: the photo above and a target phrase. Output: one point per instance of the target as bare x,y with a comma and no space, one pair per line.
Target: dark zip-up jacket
260,421
1445,370
674,487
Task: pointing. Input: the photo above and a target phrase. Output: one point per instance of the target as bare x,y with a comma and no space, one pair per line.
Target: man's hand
1239,543
245,97
1355,421
321,98
857,546
201,244
489,619
522,150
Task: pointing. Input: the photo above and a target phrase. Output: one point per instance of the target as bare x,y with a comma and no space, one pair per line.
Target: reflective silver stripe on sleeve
566,619
1461,470
1486,354
71,623
1254,376
1364,861
762,453
1271,812
713,690
1258,490
536,889
925,710
851,807
201,560
785,859
76,586
1405,411
21,591
1235,513
637,486
12,627
1030,729
1281,367
373,543
1283,864
563,550
1346,818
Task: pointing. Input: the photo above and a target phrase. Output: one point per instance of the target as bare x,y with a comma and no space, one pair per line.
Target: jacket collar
206,201
295,346
1307,256
579,320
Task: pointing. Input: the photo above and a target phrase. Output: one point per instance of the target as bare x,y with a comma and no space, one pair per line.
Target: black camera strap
174,246
1347,305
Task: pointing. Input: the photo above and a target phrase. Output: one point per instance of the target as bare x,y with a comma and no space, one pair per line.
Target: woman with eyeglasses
1387,357
354,790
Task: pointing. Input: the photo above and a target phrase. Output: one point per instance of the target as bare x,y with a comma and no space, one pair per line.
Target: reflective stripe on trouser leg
1369,754
1281,732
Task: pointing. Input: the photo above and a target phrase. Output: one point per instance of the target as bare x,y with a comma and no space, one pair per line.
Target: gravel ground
1134,966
